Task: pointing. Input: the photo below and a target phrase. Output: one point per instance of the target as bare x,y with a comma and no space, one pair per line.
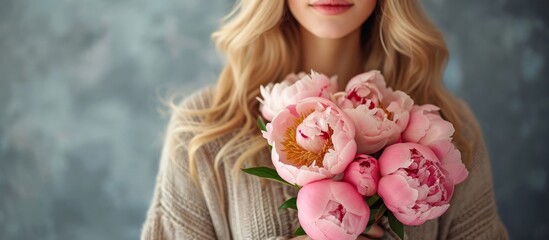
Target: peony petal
411,218
306,176
418,125
365,179
373,76
301,176
429,108
456,170
450,158
311,229
334,86
312,200
425,151
338,160
374,132
286,172
396,192
439,129
281,122
331,231
276,97
393,158
423,191
268,134
443,148
436,211
420,218
400,104
293,175
349,197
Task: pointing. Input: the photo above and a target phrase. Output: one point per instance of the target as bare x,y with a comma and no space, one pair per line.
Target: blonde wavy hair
260,40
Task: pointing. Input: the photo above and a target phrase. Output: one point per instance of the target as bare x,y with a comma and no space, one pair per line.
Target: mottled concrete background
80,83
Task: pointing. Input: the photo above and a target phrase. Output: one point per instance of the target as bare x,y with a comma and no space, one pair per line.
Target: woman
200,191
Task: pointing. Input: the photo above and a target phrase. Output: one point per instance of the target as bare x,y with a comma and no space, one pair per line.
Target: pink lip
331,7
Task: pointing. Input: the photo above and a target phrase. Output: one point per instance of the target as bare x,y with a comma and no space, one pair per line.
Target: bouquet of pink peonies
357,156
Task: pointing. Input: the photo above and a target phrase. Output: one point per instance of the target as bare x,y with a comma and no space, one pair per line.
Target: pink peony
278,96
311,140
427,128
293,77
363,89
363,173
332,210
379,113
413,184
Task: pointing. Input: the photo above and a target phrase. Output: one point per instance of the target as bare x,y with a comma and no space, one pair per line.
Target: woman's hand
375,232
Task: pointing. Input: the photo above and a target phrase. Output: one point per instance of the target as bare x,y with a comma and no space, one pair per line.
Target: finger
375,232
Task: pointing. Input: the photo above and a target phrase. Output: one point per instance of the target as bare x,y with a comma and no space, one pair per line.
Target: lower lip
331,10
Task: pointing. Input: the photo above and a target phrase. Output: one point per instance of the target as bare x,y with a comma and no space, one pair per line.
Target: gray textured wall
80,130
499,65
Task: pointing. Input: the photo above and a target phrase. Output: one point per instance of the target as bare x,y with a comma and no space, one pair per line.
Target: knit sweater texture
183,209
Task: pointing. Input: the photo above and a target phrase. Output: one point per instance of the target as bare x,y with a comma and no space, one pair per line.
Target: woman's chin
332,32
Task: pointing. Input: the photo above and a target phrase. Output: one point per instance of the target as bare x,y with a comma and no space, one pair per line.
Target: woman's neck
342,57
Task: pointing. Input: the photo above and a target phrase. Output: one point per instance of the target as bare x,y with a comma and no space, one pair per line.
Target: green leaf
263,127
299,231
380,212
373,213
290,203
261,124
396,225
372,200
265,172
371,221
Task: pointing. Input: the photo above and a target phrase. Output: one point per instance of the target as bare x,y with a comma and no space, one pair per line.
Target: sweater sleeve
179,209
475,214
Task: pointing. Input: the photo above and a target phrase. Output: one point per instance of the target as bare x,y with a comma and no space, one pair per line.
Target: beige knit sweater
181,209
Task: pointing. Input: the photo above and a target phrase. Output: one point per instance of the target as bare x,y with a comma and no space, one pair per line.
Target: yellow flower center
296,155
390,115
